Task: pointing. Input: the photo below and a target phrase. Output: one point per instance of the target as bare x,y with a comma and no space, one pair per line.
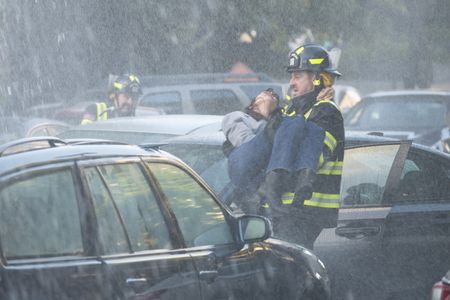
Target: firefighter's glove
272,125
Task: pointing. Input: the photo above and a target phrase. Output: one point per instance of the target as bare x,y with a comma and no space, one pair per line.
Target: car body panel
138,130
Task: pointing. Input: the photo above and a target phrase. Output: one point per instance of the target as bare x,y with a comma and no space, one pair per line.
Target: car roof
202,78
400,93
207,86
58,152
166,124
217,138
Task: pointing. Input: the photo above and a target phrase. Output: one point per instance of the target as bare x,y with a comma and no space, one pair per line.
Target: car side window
169,102
39,216
423,179
215,102
200,218
122,193
365,173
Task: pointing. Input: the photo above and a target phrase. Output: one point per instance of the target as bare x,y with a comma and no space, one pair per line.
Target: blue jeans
297,145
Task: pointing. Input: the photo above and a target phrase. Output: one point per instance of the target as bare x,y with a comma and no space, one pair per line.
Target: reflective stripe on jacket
101,113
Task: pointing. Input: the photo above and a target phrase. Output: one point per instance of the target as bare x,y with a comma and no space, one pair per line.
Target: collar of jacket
306,101
254,114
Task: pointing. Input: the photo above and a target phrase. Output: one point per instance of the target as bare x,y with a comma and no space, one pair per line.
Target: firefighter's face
301,83
124,103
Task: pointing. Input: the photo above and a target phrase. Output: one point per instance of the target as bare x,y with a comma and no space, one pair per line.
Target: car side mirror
254,228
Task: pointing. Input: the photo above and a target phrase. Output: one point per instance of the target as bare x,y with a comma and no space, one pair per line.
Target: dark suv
98,220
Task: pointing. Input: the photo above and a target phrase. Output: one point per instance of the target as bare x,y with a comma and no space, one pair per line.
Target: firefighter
123,95
303,202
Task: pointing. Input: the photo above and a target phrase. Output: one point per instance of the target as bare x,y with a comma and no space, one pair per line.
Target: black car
393,235
102,220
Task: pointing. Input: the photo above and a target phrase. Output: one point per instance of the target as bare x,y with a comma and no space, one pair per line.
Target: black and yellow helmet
311,57
126,84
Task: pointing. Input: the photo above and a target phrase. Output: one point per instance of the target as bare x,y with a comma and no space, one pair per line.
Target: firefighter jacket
325,201
100,110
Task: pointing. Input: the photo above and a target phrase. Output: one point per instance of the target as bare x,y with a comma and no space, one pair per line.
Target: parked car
346,97
12,128
392,239
215,93
417,115
441,289
138,130
73,113
96,220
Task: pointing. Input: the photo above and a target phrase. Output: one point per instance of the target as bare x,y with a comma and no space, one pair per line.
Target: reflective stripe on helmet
117,85
316,61
299,50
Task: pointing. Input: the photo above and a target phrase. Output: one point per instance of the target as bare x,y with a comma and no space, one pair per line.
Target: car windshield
397,114
207,160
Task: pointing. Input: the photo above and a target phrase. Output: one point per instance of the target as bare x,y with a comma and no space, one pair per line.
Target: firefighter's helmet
311,57
126,84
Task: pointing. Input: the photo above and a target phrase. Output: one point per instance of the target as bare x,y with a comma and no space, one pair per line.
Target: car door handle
357,232
208,276
136,281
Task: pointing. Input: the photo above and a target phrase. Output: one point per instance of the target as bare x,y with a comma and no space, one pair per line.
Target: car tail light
440,291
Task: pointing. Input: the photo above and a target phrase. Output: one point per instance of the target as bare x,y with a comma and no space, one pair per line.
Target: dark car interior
423,180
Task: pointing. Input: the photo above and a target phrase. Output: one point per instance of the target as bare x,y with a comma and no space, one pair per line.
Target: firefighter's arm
327,118
89,114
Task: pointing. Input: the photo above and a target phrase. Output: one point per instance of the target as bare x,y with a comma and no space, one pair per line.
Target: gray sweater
240,127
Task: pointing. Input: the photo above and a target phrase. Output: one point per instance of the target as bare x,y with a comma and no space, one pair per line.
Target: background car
417,115
215,93
138,130
346,97
109,221
392,237
441,289
12,128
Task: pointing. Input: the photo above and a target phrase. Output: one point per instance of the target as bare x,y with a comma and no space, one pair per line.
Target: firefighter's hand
272,125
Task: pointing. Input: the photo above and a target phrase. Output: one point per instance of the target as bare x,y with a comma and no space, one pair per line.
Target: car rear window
168,102
397,114
215,102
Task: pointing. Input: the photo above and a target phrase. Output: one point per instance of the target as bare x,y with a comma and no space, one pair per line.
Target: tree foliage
52,49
